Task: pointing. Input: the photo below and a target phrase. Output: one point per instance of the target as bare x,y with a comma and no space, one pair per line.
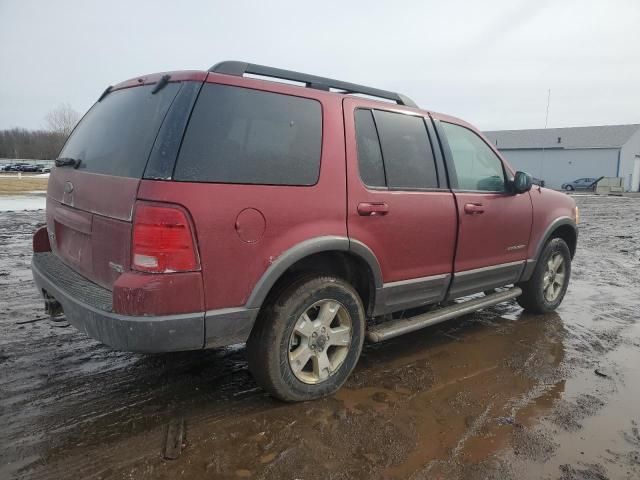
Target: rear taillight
162,240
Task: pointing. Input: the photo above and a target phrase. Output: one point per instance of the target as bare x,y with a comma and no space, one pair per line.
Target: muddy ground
498,394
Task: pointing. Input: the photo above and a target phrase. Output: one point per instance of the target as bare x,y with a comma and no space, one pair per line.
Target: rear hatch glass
89,208
116,135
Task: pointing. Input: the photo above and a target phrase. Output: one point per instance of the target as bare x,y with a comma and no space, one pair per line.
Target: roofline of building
563,128
611,147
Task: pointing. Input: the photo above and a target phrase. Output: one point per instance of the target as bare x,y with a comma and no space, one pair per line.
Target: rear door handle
473,208
368,209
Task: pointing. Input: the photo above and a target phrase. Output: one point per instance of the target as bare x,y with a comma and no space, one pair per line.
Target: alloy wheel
320,341
554,277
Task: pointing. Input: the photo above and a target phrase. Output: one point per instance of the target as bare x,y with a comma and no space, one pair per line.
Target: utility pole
546,122
546,119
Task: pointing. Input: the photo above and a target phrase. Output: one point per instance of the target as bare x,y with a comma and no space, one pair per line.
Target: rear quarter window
369,153
116,135
239,135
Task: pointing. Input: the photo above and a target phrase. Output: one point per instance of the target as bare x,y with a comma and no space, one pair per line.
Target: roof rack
233,67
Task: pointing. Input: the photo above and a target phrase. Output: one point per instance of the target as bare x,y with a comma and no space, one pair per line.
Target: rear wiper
68,162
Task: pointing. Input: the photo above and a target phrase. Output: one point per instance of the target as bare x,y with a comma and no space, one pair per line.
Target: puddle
498,394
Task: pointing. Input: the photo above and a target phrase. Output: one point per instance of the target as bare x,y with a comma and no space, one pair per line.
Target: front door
494,224
398,203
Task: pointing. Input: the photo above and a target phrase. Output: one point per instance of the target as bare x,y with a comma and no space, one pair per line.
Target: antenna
546,122
546,119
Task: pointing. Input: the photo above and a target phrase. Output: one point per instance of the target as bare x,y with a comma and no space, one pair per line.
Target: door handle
368,209
473,208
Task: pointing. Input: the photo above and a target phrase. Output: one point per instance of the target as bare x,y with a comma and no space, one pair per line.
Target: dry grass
10,185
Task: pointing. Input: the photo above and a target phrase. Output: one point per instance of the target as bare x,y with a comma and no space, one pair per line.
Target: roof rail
233,67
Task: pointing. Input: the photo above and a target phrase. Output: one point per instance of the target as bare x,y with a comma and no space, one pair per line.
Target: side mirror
522,182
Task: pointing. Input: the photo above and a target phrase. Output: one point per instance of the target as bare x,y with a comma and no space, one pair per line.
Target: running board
394,328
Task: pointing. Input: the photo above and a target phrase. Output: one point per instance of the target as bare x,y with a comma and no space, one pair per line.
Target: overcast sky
490,62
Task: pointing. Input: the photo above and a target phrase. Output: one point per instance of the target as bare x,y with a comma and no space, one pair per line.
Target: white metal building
559,155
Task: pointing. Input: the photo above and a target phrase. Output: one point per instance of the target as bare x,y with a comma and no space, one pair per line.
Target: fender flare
553,226
305,249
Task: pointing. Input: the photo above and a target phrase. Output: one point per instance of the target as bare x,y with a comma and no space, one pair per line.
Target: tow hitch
51,306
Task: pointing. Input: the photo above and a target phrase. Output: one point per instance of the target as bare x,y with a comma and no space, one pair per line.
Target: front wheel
546,288
307,341
569,188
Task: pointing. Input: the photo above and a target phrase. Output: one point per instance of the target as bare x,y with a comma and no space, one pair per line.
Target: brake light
162,241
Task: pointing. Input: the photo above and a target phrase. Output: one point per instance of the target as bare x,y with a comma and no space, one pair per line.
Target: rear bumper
88,307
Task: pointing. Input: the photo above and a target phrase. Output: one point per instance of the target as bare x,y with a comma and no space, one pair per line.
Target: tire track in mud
59,387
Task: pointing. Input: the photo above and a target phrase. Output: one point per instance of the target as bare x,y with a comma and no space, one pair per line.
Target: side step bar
394,328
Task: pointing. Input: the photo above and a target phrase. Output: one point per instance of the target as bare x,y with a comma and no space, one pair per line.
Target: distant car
28,167
43,168
14,167
579,184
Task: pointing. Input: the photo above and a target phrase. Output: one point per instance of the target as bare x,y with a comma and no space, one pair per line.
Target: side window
477,166
369,154
239,135
406,151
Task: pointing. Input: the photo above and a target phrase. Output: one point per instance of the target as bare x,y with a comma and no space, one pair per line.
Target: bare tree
62,119
36,144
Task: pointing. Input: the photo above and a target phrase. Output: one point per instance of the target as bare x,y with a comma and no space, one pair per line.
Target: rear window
369,153
239,135
116,135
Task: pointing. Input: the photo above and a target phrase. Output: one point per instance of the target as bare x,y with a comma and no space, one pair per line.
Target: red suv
191,210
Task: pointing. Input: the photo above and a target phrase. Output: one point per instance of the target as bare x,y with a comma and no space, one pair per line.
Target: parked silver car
580,184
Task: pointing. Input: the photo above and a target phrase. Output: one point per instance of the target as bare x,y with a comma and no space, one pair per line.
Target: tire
569,188
282,339
538,295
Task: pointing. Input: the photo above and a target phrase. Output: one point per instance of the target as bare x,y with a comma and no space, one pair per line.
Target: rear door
399,205
494,224
89,207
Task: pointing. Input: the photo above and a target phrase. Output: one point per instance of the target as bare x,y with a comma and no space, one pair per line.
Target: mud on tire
294,325
537,296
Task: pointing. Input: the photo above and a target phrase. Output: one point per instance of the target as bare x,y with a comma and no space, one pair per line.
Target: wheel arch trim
305,249
548,233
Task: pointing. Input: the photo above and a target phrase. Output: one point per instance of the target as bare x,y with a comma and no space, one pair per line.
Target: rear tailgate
89,222
89,208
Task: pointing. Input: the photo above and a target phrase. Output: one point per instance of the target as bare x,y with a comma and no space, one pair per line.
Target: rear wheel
307,341
546,288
